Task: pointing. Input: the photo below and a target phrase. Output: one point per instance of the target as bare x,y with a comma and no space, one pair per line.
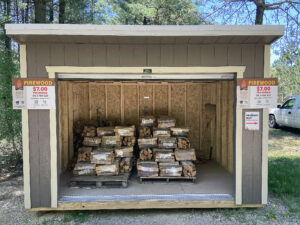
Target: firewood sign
257,93
251,120
33,93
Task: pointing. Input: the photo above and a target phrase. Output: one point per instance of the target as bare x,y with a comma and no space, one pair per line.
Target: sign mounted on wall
257,93
251,120
33,93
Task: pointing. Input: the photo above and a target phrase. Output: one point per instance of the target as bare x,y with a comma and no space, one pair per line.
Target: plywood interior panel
205,107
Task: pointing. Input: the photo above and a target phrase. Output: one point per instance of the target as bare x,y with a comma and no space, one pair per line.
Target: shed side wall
41,54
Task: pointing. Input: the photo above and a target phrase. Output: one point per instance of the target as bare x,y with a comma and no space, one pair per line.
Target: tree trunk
40,11
7,40
259,14
61,16
51,11
27,11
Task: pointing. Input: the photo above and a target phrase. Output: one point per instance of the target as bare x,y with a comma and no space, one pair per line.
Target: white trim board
121,73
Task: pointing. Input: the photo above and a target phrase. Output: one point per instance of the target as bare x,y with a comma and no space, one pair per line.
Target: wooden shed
124,72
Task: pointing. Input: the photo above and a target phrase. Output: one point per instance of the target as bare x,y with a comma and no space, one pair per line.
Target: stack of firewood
105,151
164,149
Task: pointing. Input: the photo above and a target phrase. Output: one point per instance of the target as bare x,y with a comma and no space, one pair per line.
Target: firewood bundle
147,169
89,131
161,132
147,142
92,141
147,121
105,131
124,152
84,154
180,132
84,169
167,142
145,132
145,154
170,170
164,156
185,154
108,170
125,131
111,141
183,143
102,156
189,168
128,141
125,165
165,122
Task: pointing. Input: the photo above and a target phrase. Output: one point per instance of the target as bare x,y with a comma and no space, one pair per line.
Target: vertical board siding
160,54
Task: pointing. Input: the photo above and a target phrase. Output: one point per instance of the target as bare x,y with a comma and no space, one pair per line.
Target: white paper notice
251,120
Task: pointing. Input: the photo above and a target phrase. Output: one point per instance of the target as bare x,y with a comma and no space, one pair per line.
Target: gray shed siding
40,55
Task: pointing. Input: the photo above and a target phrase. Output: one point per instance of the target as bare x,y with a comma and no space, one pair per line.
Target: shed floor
213,183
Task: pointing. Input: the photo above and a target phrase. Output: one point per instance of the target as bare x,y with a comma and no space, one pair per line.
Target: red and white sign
33,93
251,120
257,93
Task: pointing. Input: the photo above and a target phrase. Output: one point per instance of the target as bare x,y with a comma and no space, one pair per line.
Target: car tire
272,121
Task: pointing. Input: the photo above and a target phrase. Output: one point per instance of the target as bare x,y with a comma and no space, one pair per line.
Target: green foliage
287,70
157,12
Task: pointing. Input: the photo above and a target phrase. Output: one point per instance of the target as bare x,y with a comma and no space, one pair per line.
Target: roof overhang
87,33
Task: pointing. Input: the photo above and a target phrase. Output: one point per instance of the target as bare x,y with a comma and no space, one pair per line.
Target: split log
147,121
92,141
147,169
145,154
88,131
84,168
147,142
125,131
180,132
102,156
125,165
105,131
111,141
124,152
161,132
84,154
128,141
108,170
189,169
165,122
183,142
164,156
185,154
167,142
145,132
170,171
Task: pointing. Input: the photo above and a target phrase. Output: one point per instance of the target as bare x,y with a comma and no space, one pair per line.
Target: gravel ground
13,212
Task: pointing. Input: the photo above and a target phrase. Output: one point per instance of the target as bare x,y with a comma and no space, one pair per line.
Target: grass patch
284,167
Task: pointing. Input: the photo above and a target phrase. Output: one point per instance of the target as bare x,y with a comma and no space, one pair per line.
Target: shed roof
86,33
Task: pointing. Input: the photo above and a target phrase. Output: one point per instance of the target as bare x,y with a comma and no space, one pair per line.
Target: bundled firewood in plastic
183,142
124,152
111,141
189,169
89,131
175,163
161,132
147,142
185,154
108,170
154,150
102,156
84,169
125,131
170,170
180,131
147,169
165,122
144,132
105,131
167,142
147,121
145,154
125,165
84,154
91,141
164,156
128,141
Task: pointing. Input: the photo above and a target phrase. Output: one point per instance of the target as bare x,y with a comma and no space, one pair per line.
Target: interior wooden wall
205,107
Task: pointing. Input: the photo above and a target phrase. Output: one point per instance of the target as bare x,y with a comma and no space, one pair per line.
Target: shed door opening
206,107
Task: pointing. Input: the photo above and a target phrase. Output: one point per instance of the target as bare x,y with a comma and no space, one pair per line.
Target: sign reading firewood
33,93
257,93
251,120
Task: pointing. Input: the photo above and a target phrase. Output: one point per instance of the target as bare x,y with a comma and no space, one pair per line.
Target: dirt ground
13,212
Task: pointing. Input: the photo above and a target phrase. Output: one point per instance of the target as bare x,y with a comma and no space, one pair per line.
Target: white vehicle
287,114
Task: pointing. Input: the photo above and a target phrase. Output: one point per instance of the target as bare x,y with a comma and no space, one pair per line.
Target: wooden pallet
167,179
99,181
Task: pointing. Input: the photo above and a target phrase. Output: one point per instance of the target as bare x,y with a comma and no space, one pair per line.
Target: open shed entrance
206,107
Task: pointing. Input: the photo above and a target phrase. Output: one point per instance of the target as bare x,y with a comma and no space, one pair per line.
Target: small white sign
251,120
